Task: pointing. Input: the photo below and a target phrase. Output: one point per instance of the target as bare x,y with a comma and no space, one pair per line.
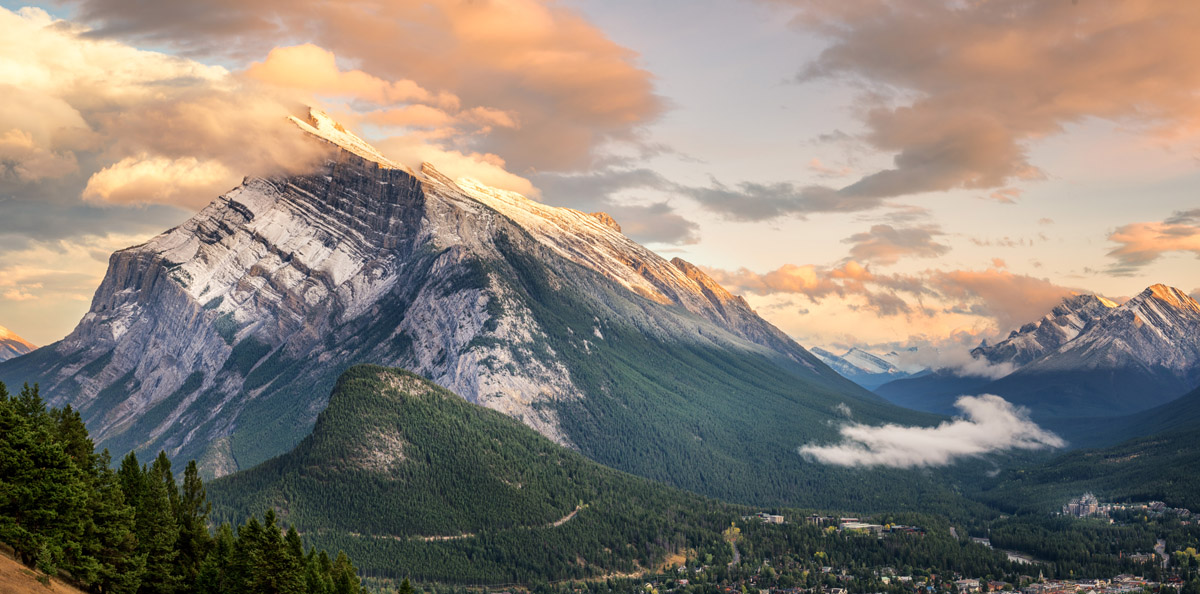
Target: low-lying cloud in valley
989,424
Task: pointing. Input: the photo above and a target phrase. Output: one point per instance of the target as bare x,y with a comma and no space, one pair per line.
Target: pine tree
194,539
345,578
110,538
74,436
42,491
276,572
157,530
217,574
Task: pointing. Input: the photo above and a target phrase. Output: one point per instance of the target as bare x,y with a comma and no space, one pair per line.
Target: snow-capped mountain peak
1036,339
12,345
866,369
322,126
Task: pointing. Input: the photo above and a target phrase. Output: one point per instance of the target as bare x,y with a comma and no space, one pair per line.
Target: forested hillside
65,511
412,480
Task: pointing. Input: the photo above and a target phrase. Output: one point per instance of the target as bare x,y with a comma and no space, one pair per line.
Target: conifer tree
194,539
345,578
157,530
112,537
217,573
42,491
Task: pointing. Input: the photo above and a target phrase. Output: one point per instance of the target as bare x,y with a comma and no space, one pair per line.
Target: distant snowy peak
866,369
871,363
1036,339
12,345
1159,329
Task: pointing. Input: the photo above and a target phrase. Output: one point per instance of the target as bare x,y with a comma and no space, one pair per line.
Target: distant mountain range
12,345
221,339
863,368
1087,358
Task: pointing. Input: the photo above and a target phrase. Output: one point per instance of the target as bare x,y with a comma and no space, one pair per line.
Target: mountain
1143,353
221,339
412,480
865,369
1087,358
1035,339
12,345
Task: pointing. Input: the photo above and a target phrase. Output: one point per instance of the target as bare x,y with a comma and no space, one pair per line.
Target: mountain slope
221,339
414,481
1087,358
865,369
12,345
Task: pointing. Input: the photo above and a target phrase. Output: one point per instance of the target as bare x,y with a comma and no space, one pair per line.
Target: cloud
314,70
1010,299
23,160
78,106
1143,243
958,92
749,201
885,244
1006,299
989,424
138,180
570,87
487,168
825,171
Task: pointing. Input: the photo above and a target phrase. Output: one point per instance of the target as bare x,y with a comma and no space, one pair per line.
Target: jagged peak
607,219
1169,295
320,125
10,336
1077,300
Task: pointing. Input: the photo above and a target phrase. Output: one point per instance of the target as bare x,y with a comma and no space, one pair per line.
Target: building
1082,507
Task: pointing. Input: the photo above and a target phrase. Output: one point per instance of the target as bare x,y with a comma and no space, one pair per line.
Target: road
1161,549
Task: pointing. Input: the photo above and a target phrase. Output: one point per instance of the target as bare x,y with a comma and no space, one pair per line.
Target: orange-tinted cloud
569,86
978,83
78,107
885,244
314,70
1005,299
185,181
1143,243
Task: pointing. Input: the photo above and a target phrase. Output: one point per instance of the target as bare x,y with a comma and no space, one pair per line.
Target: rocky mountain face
1058,327
863,368
1158,329
1088,358
221,339
12,345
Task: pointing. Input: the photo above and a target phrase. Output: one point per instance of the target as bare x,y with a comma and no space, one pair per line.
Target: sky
880,173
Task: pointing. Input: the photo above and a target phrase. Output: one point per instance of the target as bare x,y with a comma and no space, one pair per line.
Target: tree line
135,530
